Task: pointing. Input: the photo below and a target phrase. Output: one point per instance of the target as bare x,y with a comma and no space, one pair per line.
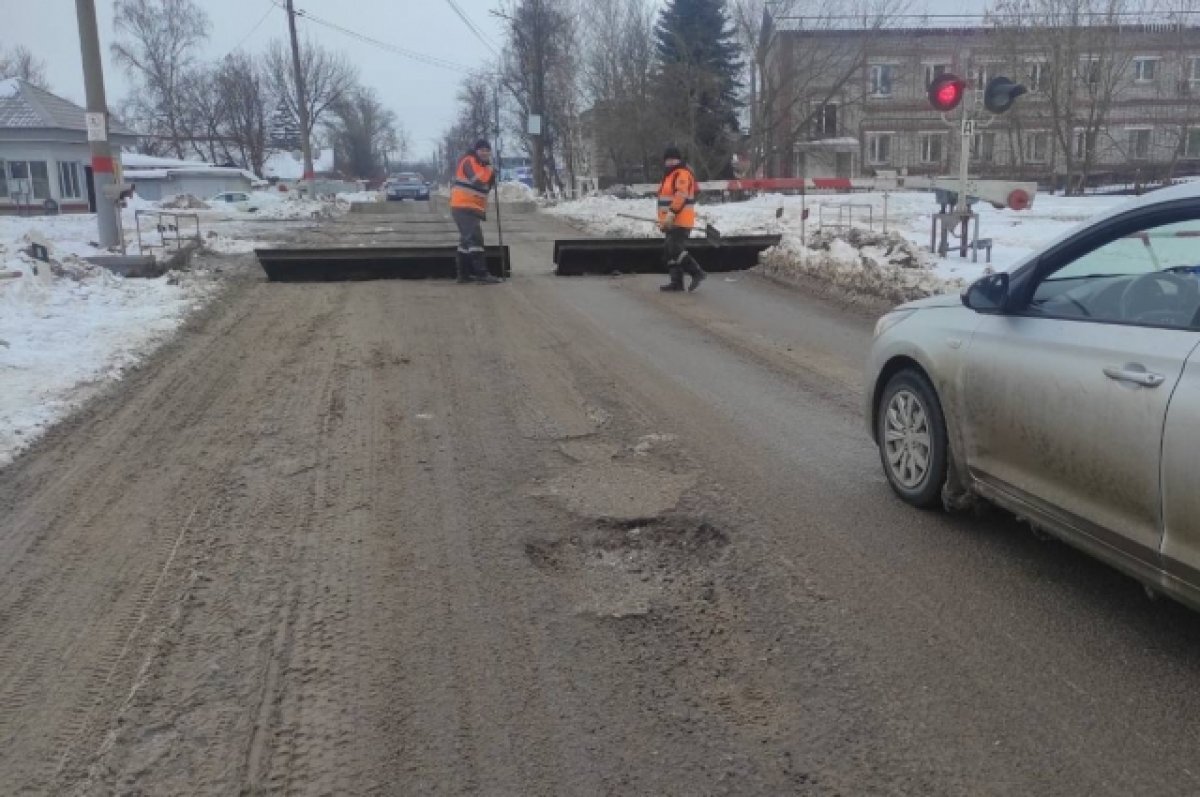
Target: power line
473,28
402,51
270,7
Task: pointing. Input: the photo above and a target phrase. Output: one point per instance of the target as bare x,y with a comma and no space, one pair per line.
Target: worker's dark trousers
471,252
677,257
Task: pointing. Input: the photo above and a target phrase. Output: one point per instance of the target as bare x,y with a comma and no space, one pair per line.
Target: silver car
1067,391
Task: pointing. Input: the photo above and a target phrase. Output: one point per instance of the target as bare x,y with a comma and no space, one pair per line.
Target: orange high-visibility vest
677,195
472,182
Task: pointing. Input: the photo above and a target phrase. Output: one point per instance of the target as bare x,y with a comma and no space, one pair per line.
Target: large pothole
632,568
616,491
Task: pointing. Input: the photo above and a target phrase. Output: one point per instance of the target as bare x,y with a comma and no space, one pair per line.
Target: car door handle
1135,375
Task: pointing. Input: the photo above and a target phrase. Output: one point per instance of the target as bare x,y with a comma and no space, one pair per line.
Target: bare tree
329,80
1182,131
157,45
1085,65
617,74
476,115
794,86
539,71
363,132
242,83
20,62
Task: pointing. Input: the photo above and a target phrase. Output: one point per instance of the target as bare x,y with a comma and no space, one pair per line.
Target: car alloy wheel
907,439
913,444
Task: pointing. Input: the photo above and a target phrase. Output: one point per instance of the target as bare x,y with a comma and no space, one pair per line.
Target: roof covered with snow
286,166
152,167
24,105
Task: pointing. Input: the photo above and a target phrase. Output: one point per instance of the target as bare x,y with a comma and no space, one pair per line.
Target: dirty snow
513,191
68,328
878,265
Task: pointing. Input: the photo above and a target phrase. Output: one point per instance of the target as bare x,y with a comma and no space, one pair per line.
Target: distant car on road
407,186
238,200
1067,391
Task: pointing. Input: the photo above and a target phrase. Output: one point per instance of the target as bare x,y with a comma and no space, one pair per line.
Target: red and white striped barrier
1001,193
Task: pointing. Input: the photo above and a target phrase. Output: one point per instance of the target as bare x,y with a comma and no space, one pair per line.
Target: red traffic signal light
1001,93
946,92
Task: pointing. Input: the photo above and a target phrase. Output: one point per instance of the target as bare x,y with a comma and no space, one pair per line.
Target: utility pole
301,95
103,173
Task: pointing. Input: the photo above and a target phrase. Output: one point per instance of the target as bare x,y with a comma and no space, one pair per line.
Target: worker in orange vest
676,218
473,179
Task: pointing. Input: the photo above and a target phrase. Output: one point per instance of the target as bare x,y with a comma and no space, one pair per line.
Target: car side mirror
988,294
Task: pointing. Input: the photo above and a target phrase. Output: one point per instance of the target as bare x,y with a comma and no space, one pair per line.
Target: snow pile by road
513,191
67,328
350,197
894,266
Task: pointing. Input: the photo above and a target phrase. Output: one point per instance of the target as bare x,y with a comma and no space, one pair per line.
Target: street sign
535,125
97,127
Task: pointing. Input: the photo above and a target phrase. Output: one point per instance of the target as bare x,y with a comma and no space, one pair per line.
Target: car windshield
410,178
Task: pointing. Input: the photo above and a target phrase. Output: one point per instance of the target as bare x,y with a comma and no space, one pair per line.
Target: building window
30,179
1089,70
1145,70
882,76
1194,70
1039,76
934,71
825,121
1036,147
879,148
983,147
3,180
1139,143
70,186
931,147
1191,149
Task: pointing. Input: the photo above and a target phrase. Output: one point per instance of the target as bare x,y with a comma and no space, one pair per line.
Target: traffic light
946,92
1000,94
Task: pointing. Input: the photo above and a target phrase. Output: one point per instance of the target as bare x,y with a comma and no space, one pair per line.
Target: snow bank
513,191
67,327
349,197
858,267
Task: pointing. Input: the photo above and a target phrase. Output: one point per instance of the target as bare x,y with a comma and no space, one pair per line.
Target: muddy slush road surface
556,537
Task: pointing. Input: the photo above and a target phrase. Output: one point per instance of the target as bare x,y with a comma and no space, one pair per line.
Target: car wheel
912,439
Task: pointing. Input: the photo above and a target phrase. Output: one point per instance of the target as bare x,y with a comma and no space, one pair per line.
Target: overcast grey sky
421,95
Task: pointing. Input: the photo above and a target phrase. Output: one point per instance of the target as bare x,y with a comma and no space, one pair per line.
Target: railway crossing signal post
946,93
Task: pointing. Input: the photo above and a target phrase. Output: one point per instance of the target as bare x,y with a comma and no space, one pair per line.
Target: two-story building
1105,104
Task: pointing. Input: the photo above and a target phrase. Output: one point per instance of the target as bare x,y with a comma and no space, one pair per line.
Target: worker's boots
462,268
695,273
676,283
480,271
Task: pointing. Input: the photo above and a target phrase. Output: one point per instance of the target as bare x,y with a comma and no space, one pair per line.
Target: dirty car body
1067,391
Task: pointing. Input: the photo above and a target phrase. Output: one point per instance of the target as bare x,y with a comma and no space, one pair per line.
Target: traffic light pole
967,131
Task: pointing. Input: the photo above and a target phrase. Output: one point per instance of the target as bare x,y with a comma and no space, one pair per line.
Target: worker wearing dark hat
473,179
676,218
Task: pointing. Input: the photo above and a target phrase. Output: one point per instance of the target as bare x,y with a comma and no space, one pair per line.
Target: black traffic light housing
1000,94
946,92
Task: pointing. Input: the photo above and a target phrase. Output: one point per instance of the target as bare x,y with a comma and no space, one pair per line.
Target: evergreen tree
698,84
285,129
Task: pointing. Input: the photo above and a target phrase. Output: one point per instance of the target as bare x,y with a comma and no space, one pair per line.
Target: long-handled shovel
710,232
